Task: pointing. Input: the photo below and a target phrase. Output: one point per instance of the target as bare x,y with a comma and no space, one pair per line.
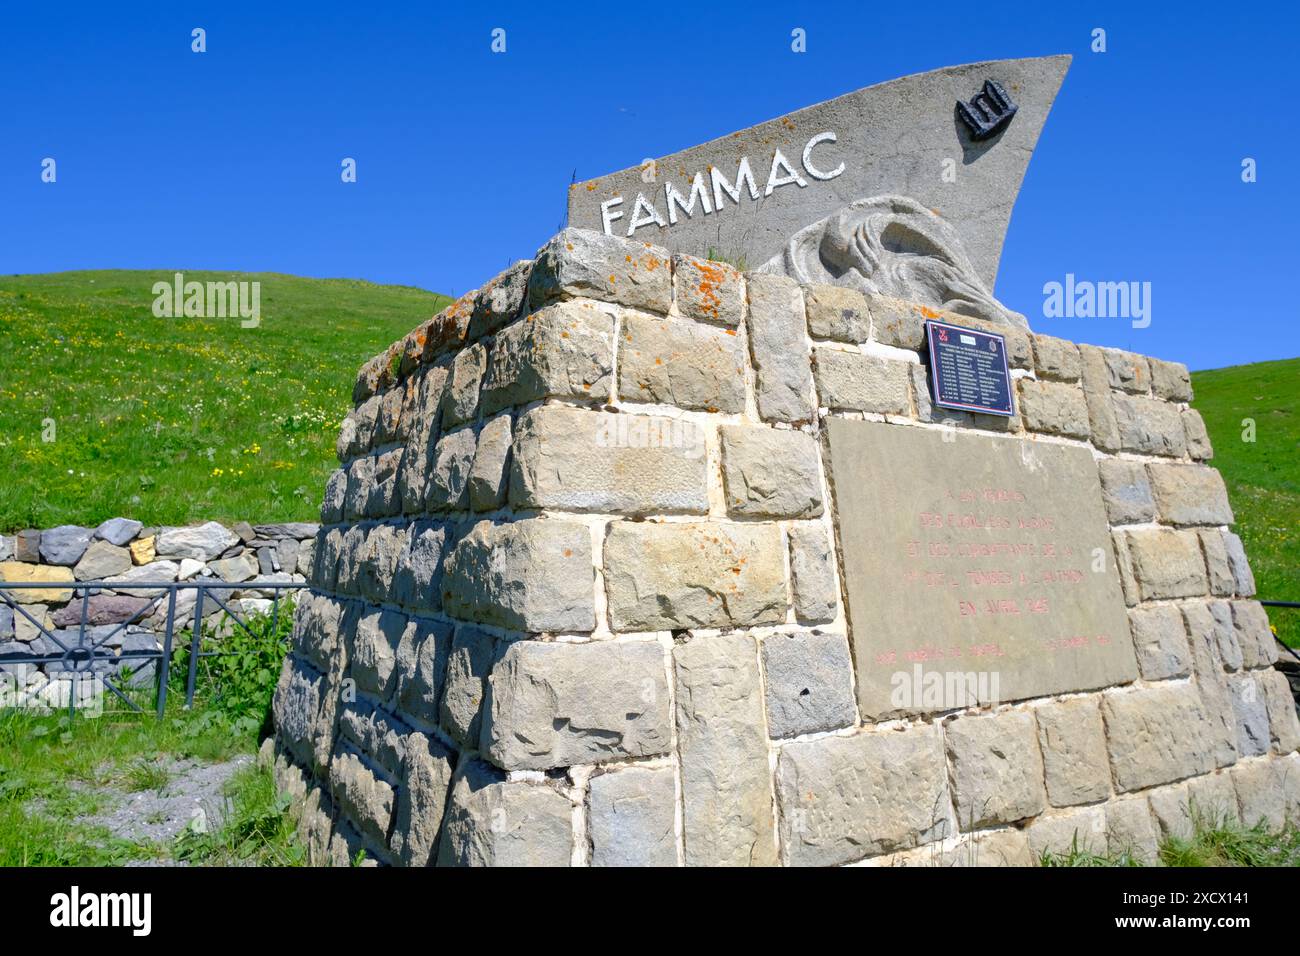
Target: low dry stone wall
576,596
123,551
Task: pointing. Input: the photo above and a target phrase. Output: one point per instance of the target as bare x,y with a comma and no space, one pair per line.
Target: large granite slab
986,561
904,138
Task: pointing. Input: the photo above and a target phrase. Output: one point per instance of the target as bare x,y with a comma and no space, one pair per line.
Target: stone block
143,551
1149,426
670,361
494,822
27,546
460,399
1250,624
378,559
499,301
102,609
1131,831
331,508
1124,565
1206,630
388,423
1160,641
316,628
445,333
851,381
102,560
118,531
1128,371
383,491
1199,446
631,817
560,704
1097,395
1212,799
420,668
1167,564
1190,495
1082,830
579,262
1217,566
1241,573
563,351
1126,490
241,567
1171,811
1283,723
708,291
374,650
423,431
1054,408
1055,359
202,543
574,459
897,323
694,574
770,473
361,480
1261,792
1073,742
722,748
417,574
1156,735
425,780
377,734
357,430
363,797
808,682
777,333
487,474
473,652
531,575
1170,380
845,798
996,768
1251,711
20,572
66,544
304,708
448,488
837,313
812,575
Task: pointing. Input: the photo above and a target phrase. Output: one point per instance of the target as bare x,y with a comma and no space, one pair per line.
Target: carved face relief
894,246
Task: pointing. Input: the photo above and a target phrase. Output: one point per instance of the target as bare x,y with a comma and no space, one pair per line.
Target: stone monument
635,558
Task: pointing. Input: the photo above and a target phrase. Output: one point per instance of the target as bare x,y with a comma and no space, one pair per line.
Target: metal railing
90,657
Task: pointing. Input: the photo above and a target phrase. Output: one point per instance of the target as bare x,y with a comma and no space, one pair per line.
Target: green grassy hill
170,420
1263,474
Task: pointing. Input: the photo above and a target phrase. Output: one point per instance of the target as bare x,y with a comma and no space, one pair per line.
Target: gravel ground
193,792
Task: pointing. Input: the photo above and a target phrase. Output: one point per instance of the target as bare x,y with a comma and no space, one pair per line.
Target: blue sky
230,159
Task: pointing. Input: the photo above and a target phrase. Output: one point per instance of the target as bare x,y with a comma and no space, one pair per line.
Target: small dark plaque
968,369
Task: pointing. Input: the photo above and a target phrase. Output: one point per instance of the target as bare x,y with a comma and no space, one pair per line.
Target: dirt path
191,796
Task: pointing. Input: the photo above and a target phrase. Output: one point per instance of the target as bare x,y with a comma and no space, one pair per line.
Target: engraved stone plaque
976,568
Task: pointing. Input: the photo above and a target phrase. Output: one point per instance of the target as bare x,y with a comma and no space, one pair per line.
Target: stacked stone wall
126,620
576,596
